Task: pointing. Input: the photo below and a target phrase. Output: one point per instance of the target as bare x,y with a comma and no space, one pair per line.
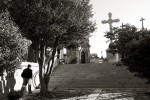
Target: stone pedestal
112,58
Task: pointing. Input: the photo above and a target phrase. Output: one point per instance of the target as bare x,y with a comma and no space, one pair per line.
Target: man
27,76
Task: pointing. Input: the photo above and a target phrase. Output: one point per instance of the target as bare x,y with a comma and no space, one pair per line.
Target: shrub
14,95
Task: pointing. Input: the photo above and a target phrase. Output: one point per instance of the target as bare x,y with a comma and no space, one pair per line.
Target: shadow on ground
7,84
65,94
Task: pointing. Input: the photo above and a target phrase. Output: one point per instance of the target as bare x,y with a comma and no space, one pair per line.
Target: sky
128,11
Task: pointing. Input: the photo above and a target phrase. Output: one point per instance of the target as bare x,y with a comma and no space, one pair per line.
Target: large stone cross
110,21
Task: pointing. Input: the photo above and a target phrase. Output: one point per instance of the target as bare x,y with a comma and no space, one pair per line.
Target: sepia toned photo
74,50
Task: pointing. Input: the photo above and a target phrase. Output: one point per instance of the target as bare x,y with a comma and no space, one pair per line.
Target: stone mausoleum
79,55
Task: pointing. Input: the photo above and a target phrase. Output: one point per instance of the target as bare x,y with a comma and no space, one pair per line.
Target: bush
14,95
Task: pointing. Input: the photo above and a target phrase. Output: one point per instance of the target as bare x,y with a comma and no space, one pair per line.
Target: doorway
82,57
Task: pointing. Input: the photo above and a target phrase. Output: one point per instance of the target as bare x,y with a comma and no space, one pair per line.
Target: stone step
93,67
129,84
101,85
94,76
97,79
91,70
101,75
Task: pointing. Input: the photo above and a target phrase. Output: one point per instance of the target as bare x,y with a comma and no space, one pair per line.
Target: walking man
27,76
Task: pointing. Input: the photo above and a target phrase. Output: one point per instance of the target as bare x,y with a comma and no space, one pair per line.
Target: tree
122,36
137,55
134,46
13,47
3,5
52,23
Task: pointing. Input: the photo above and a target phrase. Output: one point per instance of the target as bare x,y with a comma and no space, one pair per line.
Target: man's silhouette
27,76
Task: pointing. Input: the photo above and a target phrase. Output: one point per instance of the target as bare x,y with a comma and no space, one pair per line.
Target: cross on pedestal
142,19
110,21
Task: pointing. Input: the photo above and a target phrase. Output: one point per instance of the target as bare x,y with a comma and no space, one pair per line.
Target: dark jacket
27,73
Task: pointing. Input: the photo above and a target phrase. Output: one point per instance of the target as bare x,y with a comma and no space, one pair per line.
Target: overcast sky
128,11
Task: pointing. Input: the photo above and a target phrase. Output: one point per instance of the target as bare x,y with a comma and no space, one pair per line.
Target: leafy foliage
14,95
47,20
13,47
137,56
3,5
133,47
52,23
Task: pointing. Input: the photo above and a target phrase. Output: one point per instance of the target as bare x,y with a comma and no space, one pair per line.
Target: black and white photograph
74,50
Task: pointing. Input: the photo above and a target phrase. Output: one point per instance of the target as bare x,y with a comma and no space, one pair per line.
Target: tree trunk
50,67
46,80
41,68
44,77
41,76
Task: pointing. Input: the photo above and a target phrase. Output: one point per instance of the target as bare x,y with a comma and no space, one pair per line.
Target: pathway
103,94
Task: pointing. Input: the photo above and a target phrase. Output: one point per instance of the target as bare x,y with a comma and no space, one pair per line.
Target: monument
111,57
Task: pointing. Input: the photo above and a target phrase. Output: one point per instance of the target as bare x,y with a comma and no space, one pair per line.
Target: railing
34,80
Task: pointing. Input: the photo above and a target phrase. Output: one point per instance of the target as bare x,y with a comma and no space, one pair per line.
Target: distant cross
110,21
122,26
142,19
